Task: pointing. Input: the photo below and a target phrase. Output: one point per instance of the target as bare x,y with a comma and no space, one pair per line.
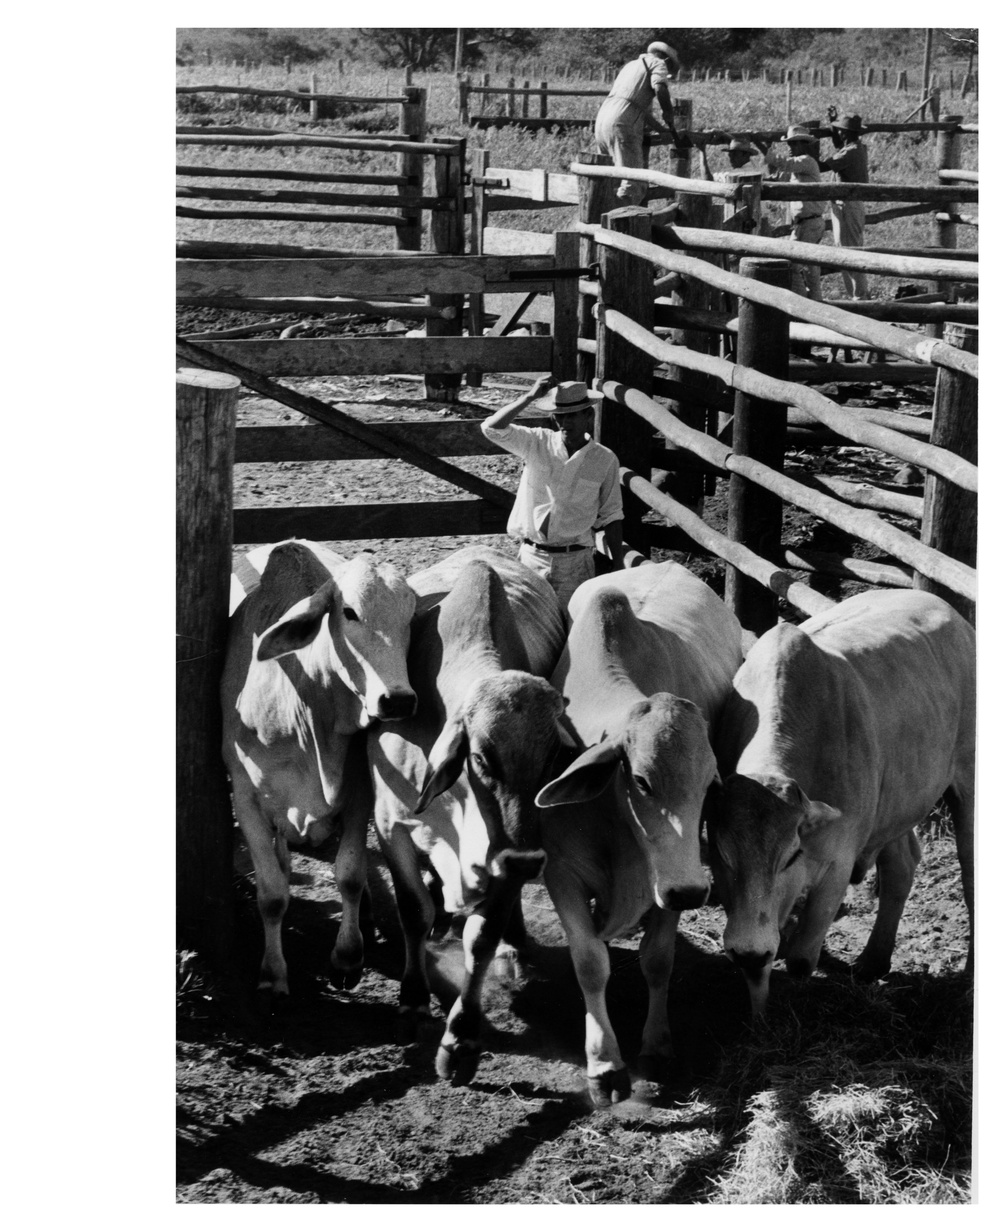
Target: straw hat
797,132
567,398
663,50
850,123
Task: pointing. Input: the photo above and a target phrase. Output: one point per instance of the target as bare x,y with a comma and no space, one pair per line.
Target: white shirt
561,499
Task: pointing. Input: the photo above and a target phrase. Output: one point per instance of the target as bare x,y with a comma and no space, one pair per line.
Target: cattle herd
614,751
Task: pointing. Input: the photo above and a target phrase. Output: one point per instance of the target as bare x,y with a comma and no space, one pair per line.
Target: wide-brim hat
569,397
663,49
850,123
797,132
741,147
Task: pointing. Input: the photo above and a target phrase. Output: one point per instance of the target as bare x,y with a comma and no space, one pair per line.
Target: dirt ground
320,1105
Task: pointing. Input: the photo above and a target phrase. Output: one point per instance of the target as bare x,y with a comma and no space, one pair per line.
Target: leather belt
553,550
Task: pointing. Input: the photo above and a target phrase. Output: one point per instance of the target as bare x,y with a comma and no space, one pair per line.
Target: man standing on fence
806,217
850,161
621,121
569,485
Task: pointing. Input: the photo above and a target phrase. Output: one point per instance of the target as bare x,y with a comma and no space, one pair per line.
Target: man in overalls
626,111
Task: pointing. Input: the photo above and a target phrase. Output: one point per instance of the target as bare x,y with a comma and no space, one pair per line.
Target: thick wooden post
447,238
412,123
463,81
949,157
565,296
526,101
926,85
759,429
543,100
627,286
477,225
950,513
314,105
679,159
596,197
511,97
206,433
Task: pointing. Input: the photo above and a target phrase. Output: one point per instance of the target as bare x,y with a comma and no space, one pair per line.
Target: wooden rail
884,336
297,95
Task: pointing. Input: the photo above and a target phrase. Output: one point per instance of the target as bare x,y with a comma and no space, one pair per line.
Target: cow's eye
350,615
642,785
481,763
794,858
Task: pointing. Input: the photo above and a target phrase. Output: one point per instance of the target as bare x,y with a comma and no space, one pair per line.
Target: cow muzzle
396,705
749,962
692,896
518,864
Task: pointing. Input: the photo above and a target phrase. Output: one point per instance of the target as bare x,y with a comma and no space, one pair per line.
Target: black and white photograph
576,603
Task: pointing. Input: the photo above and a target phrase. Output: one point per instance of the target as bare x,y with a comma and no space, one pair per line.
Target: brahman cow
317,652
840,735
457,782
646,670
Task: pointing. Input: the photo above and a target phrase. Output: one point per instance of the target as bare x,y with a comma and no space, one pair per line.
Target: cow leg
825,898
897,864
510,960
656,959
416,917
961,802
271,871
348,956
458,1054
607,1077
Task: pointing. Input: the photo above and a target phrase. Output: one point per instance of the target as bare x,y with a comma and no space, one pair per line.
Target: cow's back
533,603
870,706
667,628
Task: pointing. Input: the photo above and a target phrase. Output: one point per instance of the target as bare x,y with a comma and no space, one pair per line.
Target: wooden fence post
565,296
206,433
463,82
448,238
679,158
511,98
478,217
949,157
950,513
314,105
596,197
543,100
901,83
413,123
526,102
627,286
759,429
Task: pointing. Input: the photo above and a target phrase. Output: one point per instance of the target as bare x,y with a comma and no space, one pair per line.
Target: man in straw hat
626,111
569,485
850,162
806,217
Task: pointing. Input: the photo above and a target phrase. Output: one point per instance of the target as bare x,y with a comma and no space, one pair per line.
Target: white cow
457,781
317,652
840,736
646,670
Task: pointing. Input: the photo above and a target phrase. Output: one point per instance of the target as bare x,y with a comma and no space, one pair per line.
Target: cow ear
817,814
298,626
586,778
444,764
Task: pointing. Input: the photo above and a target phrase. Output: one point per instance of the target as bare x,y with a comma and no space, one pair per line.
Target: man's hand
542,385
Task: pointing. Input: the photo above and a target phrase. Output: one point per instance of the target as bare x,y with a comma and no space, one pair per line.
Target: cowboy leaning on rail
569,485
626,112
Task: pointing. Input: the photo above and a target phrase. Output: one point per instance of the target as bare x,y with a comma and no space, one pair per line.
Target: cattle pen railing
750,445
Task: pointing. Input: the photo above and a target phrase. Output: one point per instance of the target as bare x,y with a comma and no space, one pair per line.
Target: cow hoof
345,979
270,1001
510,965
457,1061
869,970
609,1087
